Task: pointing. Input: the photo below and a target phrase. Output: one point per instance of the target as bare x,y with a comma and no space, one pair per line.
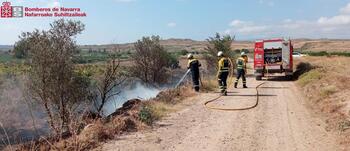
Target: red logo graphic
6,10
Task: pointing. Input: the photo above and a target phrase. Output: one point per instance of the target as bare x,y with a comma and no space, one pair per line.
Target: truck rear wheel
289,77
258,78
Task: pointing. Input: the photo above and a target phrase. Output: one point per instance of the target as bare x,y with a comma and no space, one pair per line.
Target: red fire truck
273,56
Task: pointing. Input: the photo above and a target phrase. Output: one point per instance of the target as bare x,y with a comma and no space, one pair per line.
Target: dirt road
280,122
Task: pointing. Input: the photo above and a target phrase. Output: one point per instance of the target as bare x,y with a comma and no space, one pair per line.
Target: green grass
93,57
81,58
13,69
325,53
309,77
6,58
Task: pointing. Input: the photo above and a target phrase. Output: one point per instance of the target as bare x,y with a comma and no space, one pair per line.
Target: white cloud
337,26
244,27
171,24
335,20
252,29
346,9
342,19
237,23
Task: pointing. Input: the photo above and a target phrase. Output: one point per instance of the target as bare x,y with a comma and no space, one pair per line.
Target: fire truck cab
273,56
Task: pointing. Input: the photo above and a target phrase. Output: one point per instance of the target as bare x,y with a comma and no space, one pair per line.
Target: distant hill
169,44
331,45
5,47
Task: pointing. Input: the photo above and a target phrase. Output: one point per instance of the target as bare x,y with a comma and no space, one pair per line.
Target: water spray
183,77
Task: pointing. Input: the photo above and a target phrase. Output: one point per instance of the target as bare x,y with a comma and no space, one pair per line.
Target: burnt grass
129,118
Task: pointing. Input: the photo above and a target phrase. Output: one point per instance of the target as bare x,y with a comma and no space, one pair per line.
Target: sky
122,21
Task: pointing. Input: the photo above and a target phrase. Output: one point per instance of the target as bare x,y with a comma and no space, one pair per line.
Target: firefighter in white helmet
241,63
193,65
223,72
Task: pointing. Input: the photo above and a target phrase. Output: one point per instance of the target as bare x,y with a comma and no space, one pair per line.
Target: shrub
302,68
309,77
216,44
344,125
325,53
53,81
146,115
328,90
209,84
183,52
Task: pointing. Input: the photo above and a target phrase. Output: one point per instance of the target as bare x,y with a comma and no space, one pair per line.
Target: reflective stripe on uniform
224,65
240,63
190,61
224,71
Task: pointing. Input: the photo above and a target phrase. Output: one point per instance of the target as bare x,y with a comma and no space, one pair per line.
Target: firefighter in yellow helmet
223,72
241,63
193,65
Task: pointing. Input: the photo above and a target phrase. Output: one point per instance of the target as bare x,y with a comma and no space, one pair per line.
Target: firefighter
242,69
223,72
193,65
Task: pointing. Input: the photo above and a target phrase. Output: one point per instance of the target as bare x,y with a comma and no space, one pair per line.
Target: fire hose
234,109
206,104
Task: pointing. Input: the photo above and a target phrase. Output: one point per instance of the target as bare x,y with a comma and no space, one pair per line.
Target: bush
309,77
345,54
328,90
325,53
53,81
209,84
150,61
216,44
146,115
302,68
321,53
183,52
21,49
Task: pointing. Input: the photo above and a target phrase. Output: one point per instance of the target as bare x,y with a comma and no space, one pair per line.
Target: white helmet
242,53
190,56
220,53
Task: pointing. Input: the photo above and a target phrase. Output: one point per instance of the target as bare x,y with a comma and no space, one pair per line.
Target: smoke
136,90
17,115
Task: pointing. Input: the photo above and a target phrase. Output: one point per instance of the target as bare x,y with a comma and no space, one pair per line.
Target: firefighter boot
196,88
225,93
236,84
245,86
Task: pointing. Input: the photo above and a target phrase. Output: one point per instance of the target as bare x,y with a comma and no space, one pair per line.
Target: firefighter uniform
193,65
223,72
241,71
